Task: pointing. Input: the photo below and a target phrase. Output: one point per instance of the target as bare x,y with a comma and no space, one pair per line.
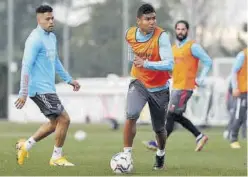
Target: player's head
181,28
45,17
146,18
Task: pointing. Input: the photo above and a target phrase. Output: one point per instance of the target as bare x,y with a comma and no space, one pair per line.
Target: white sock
57,153
199,137
29,143
127,150
160,152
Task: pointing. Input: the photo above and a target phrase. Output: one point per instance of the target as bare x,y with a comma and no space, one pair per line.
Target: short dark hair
145,9
43,9
184,22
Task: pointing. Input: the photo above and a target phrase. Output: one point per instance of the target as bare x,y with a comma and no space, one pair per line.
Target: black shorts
49,104
178,101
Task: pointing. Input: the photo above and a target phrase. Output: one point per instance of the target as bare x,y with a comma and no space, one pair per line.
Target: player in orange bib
151,54
187,54
239,85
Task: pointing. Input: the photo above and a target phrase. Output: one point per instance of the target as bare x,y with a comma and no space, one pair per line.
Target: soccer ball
80,135
121,163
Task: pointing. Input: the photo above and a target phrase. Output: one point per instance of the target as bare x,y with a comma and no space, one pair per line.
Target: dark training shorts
49,104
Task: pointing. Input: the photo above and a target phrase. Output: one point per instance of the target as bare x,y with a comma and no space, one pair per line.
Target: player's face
147,22
181,31
46,21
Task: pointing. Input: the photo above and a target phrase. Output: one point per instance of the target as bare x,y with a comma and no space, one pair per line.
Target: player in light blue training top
39,65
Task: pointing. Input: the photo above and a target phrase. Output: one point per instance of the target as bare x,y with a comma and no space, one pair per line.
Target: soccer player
39,65
152,61
239,90
187,54
231,103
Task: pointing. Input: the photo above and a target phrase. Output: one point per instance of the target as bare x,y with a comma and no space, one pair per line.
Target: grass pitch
92,156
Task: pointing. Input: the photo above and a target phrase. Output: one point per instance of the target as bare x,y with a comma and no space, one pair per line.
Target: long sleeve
130,54
61,71
236,67
59,68
30,53
199,52
165,52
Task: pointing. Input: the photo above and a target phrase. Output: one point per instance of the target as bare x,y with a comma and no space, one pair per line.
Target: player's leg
57,159
239,119
237,122
44,130
136,99
169,126
244,129
244,116
23,146
57,112
231,106
158,103
177,107
52,108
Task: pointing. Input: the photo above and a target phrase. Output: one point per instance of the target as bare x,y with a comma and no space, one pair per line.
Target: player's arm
31,50
130,53
30,53
165,52
235,69
198,52
60,70
64,75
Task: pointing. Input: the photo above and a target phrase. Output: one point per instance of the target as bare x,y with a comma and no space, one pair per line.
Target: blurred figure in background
187,54
39,65
231,104
239,91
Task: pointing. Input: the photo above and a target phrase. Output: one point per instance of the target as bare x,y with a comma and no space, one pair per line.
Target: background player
187,54
239,90
231,104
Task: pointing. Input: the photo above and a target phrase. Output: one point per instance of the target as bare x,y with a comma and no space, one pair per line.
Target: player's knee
53,125
160,130
132,114
64,118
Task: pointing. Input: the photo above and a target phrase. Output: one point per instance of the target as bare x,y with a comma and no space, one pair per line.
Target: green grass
92,156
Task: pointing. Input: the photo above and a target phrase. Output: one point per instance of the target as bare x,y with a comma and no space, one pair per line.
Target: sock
57,153
199,137
160,152
127,150
29,143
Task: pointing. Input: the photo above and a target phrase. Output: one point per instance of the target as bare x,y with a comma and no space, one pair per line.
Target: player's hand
236,92
138,62
76,86
20,102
